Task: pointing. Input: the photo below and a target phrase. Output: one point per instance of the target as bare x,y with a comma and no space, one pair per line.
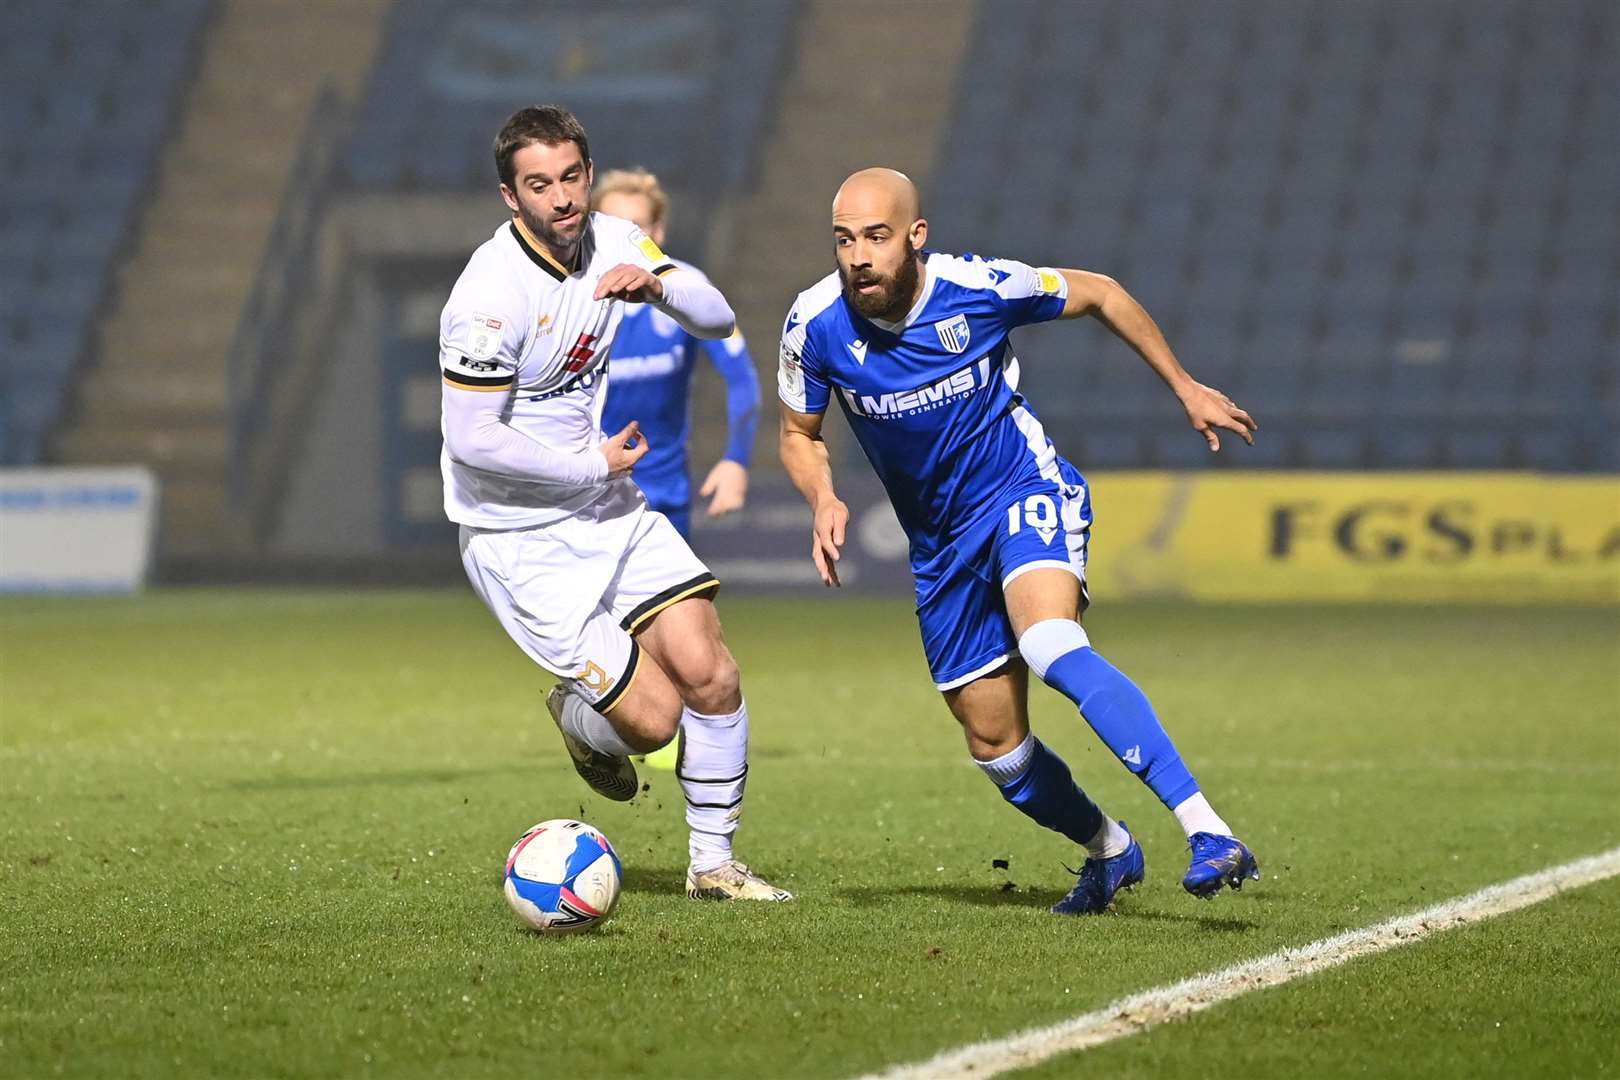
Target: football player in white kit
556,538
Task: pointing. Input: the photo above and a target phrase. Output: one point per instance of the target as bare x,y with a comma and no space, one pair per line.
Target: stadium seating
90,90
1390,228
685,92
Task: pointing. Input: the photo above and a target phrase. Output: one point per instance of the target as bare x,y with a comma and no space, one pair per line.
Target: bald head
885,194
877,232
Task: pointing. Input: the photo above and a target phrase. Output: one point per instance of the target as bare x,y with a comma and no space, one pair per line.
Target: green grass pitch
260,834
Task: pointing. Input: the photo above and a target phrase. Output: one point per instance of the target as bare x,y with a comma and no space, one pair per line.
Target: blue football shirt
933,399
649,380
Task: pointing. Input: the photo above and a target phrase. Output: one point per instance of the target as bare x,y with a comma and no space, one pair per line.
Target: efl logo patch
791,377
1048,281
954,333
484,339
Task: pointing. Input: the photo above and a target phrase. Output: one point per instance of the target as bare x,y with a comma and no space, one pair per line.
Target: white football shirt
520,324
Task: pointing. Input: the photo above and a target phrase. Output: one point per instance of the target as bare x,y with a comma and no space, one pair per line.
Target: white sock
1010,766
712,769
1111,840
1196,815
591,727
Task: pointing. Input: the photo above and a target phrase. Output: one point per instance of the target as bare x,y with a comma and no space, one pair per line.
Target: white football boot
732,881
609,775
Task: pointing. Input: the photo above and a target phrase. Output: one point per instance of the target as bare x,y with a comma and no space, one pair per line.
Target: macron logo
857,349
1133,756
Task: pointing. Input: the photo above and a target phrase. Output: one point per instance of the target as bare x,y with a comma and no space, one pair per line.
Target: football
562,876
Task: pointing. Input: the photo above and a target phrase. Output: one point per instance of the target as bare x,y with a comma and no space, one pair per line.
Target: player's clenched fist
631,284
621,456
831,518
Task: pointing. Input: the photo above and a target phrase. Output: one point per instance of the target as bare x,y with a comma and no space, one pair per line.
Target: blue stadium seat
1395,444
1478,448
1553,446
1606,449
1183,448
1289,292
1274,447
415,133
1590,226
1104,446
1584,277
1334,448
1561,385
1420,389
1394,196
1517,231
1271,383
1366,279
1349,371
90,93
1213,321
1572,332
1489,385
1223,275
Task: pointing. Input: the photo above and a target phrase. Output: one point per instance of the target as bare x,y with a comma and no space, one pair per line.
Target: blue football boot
1100,879
1216,861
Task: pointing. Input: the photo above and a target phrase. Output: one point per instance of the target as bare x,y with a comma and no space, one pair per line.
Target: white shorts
572,593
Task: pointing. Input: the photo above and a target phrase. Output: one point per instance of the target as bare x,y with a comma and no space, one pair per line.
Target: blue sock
1039,784
1061,654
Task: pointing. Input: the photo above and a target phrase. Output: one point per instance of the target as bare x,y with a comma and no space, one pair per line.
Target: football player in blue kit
651,376
913,346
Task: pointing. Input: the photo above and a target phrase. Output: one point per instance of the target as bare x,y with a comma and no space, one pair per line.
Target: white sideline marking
1150,1008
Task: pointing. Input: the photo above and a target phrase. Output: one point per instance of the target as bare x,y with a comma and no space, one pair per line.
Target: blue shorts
669,491
960,607
680,517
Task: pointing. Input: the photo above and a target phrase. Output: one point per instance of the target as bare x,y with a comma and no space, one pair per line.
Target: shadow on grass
403,778
997,896
663,880
982,895
1220,924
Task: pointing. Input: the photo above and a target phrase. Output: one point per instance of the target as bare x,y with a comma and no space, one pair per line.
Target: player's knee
999,744
653,730
649,716
662,730
713,684
991,737
1045,642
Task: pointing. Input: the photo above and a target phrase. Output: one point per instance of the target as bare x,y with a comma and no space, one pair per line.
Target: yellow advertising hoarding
1403,537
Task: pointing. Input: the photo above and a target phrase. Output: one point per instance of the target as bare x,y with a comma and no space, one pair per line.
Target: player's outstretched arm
698,306
726,485
804,456
477,436
1207,408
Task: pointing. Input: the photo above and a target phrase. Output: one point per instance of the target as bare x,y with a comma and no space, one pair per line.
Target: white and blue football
562,876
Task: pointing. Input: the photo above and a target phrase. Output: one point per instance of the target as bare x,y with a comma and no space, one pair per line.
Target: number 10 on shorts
1039,512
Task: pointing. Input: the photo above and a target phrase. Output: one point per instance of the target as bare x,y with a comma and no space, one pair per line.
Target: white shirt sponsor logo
955,385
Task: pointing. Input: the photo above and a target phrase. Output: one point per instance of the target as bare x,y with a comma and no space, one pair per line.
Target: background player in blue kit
651,376
913,345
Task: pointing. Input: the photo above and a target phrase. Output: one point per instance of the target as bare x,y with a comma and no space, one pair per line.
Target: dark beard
557,244
894,296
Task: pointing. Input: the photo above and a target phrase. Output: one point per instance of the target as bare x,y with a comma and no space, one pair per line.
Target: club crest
953,333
